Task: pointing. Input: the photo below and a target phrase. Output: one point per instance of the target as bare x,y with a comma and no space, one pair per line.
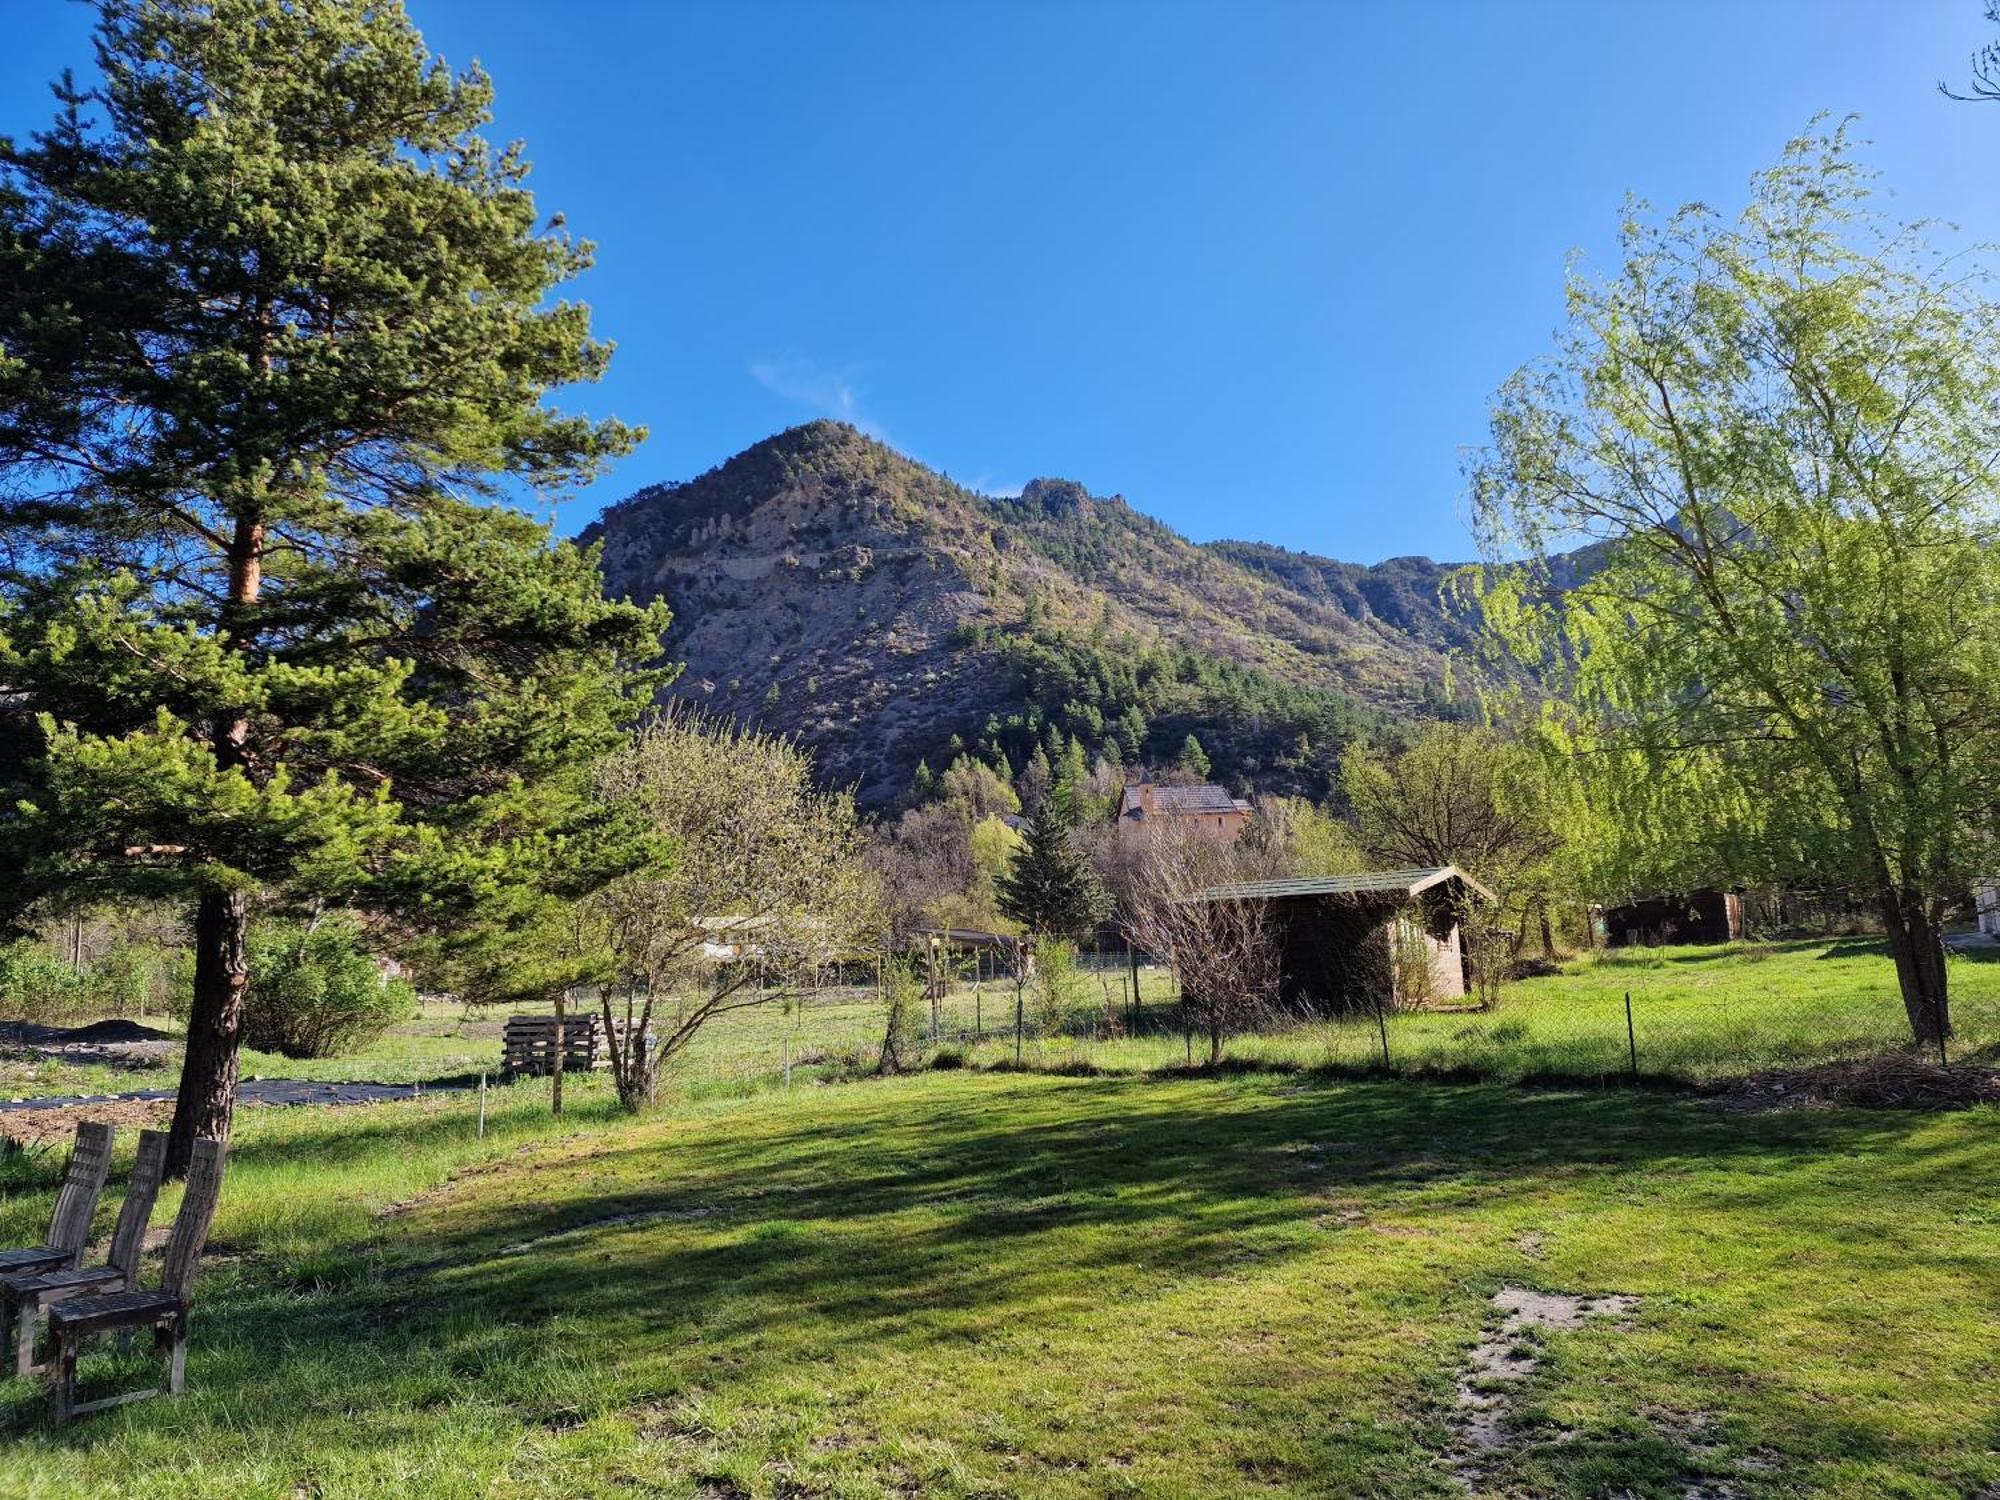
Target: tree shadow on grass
906,1215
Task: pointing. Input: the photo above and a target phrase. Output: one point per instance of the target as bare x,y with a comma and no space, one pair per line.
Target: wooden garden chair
76,1205
23,1297
165,1311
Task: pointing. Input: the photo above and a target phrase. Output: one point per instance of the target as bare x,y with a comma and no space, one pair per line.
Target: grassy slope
983,1284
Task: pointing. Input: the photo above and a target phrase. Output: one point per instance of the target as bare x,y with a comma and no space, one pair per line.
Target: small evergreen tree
1036,778
1052,889
1193,759
273,317
1132,731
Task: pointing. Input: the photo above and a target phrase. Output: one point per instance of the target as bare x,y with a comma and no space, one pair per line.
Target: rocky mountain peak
828,587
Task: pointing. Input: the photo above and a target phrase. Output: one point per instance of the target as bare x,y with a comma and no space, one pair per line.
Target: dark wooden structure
76,1205
941,947
1353,943
1707,916
165,1311
529,1044
25,1297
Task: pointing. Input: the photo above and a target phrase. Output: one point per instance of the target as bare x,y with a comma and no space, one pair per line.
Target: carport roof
1373,883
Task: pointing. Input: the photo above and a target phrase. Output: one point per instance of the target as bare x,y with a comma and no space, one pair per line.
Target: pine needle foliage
276,329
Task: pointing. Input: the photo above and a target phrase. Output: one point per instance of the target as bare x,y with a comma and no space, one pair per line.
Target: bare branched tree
1224,953
764,889
1985,85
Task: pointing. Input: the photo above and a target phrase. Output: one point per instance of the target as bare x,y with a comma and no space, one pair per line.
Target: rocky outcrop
825,586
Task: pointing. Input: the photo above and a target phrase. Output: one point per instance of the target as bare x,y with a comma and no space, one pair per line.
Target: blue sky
1256,266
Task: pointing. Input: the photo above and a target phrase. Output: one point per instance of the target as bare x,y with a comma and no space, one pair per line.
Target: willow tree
275,322
1780,657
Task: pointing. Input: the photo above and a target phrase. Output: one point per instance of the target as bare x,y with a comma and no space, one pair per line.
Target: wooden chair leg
26,1320
177,1379
62,1367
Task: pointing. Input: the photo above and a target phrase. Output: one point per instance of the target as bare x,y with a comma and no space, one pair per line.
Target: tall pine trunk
207,1097
215,1025
1916,943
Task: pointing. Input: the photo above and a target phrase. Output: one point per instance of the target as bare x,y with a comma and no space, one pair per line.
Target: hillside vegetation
826,586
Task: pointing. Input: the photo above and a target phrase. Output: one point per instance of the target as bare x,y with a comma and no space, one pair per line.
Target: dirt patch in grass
1893,1081
47,1127
1503,1361
115,1043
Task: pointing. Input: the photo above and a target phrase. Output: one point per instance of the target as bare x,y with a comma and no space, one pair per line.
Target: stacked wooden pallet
529,1044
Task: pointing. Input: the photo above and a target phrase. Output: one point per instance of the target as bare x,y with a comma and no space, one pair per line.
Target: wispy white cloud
986,484
831,392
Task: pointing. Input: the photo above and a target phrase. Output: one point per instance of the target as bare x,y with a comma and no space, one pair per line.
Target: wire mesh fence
1699,1016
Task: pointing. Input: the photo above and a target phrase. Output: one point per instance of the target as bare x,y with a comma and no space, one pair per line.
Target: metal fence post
1020,1008
1631,1036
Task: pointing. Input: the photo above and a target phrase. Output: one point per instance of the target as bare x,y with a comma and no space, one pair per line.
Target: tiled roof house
1203,809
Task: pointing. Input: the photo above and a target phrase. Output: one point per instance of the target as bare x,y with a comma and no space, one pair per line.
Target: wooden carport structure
1348,943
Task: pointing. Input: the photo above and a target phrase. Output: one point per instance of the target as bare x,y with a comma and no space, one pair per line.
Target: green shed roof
1373,883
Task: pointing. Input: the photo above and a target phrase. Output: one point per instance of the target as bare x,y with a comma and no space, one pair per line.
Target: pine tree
1074,766
1052,890
1037,776
1193,759
1132,731
273,319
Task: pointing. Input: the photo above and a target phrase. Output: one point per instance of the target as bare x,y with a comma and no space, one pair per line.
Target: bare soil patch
1506,1357
117,1043
1893,1081
35,1128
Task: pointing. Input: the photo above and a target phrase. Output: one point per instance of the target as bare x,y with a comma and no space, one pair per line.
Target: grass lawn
976,1283
1700,1015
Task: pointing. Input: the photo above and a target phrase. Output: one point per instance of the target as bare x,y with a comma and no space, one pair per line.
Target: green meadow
982,1282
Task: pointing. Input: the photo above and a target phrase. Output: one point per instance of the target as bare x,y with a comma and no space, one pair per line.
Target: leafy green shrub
37,986
903,998
126,981
315,991
1059,989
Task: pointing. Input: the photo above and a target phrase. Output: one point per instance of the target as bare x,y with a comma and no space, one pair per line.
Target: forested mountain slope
828,587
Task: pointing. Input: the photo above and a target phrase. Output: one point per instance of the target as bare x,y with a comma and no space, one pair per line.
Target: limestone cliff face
827,587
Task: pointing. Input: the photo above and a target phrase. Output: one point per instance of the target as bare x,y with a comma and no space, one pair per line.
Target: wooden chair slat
113,1310
30,1262
84,1278
128,1236
190,1232
83,1185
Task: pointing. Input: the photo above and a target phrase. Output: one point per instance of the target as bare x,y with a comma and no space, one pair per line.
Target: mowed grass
984,1283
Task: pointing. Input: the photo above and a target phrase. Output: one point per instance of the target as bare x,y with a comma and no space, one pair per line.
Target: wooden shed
1349,943
1708,916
